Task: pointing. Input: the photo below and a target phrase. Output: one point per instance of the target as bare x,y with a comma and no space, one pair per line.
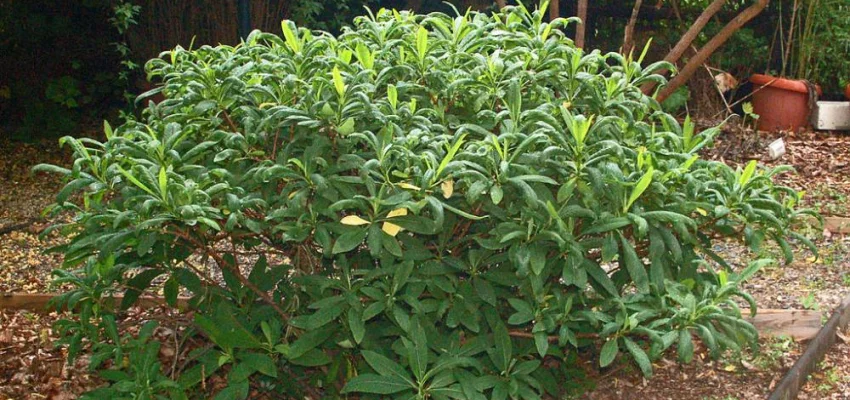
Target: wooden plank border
37,302
840,225
836,224
790,385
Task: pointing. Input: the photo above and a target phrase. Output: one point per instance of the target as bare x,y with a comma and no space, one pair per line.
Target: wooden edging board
836,224
839,225
790,385
801,325
37,302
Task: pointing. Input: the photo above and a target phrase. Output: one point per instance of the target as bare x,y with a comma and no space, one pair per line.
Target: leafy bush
824,45
425,206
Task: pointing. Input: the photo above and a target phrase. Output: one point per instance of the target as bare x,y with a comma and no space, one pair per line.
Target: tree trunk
628,36
582,27
712,45
554,10
685,42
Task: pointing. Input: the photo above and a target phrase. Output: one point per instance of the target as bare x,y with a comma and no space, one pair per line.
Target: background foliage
58,58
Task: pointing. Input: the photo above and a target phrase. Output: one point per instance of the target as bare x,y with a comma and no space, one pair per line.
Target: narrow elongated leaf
633,265
386,367
639,356
291,38
639,188
339,84
376,384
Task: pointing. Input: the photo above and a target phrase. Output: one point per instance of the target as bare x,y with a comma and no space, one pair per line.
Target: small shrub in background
426,206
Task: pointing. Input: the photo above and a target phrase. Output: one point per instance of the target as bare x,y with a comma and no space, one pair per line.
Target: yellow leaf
405,185
729,368
702,212
397,212
353,220
391,229
448,188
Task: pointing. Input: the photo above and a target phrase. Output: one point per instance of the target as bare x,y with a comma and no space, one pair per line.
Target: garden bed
821,160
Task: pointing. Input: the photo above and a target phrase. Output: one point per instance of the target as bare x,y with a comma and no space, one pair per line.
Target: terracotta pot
847,91
782,104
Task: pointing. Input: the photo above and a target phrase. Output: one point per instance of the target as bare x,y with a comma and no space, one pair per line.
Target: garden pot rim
793,85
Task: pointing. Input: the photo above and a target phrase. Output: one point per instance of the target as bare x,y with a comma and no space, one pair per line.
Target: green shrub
425,206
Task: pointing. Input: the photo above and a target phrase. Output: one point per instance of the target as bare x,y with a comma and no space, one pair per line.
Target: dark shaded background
59,67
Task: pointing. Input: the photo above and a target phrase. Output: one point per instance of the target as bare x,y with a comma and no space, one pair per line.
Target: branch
628,37
582,27
710,47
551,338
230,121
235,270
685,42
554,10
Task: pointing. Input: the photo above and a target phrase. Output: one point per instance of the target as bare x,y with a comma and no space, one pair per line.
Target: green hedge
426,206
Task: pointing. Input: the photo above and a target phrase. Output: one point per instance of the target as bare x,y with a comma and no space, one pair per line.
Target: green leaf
376,384
449,156
349,240
600,277
749,170
484,290
392,96
356,325
525,312
608,353
312,358
163,182
421,43
308,341
685,346
639,356
639,188
496,194
291,38
364,55
385,367
541,342
634,265
346,128
418,352
135,181
503,350
339,84
261,363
